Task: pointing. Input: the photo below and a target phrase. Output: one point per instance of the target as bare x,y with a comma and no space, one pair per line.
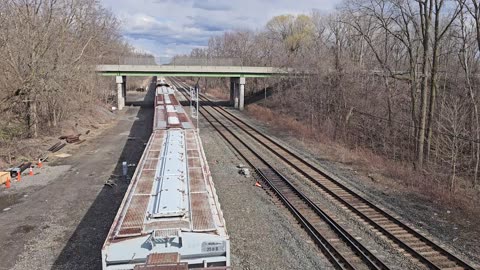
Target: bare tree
383,77
47,50
452,123
466,56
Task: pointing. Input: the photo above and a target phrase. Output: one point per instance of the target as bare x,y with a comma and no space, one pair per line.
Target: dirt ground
59,218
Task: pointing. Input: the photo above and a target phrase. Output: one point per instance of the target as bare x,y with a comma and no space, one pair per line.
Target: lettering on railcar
217,246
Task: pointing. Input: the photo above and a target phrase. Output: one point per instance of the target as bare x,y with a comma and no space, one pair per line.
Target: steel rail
353,208
266,169
373,261
381,228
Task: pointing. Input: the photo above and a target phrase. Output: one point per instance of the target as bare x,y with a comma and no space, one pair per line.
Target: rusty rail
422,248
314,220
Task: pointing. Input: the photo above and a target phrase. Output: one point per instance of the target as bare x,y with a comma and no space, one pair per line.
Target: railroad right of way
423,251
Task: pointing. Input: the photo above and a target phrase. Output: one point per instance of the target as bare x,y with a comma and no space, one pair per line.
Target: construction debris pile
16,172
72,138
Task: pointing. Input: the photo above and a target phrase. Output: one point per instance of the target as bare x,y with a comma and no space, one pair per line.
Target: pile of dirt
92,121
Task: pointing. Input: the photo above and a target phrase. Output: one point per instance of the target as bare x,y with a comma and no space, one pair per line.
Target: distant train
170,215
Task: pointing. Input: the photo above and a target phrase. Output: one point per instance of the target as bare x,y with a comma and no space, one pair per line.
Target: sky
166,28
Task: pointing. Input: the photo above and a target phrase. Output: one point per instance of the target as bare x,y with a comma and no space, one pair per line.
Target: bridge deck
187,71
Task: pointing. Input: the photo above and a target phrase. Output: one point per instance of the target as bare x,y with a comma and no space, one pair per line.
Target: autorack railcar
170,215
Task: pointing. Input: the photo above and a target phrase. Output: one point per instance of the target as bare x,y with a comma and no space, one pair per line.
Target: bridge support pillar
124,89
241,93
232,91
121,89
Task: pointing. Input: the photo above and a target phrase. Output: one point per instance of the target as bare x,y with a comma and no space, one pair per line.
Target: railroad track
341,248
424,250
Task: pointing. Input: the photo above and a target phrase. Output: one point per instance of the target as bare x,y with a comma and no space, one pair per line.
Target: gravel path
64,220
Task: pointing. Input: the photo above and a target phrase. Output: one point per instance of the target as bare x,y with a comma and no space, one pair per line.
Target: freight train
170,217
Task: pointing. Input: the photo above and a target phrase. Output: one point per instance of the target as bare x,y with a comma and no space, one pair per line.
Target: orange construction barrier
257,184
31,171
8,184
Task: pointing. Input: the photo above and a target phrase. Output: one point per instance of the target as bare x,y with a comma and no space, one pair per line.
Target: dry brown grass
285,123
94,118
399,177
218,93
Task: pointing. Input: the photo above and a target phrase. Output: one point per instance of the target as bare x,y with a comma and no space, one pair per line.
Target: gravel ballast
263,234
390,256
446,227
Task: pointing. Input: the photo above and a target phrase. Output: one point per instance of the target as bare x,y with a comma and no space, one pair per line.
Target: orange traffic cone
8,184
39,164
257,184
19,176
31,171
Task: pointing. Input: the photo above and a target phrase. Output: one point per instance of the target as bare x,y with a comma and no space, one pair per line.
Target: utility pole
194,104
191,100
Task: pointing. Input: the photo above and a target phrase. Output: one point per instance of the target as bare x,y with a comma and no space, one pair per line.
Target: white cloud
169,27
212,5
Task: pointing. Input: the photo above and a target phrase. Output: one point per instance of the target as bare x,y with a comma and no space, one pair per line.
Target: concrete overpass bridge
237,75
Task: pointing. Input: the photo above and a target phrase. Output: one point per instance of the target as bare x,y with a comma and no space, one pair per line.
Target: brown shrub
396,175
218,93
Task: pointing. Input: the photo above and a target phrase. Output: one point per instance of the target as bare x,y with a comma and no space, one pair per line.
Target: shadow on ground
83,249
258,96
252,98
207,103
186,103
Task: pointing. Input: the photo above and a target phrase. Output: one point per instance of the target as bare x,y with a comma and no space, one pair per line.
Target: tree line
399,76
48,53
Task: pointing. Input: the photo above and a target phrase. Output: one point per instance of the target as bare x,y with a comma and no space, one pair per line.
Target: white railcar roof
171,189
168,111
